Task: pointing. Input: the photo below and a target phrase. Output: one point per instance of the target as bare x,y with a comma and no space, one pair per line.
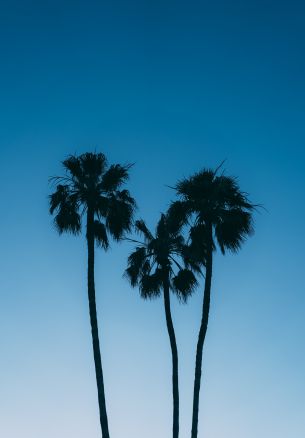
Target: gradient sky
172,86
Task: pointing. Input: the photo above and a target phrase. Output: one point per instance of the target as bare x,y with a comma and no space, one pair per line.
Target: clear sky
172,86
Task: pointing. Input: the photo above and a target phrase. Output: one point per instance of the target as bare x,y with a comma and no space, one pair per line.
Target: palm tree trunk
94,326
172,338
202,332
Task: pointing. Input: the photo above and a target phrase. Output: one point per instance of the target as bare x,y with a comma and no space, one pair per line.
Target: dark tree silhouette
91,189
219,213
155,266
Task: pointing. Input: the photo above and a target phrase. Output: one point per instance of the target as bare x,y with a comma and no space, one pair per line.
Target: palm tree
91,189
155,266
219,213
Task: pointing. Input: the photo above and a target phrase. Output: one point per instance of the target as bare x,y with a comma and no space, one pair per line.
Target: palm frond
194,187
102,205
194,253
124,196
100,234
65,204
177,242
136,263
161,229
151,284
177,215
141,228
232,229
194,256
58,197
68,220
119,216
114,177
73,165
198,235
93,164
228,193
184,284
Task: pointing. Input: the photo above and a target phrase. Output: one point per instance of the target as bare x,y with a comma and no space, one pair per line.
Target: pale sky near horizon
172,86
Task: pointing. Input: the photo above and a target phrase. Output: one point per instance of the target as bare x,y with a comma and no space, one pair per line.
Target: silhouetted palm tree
155,266
219,214
91,189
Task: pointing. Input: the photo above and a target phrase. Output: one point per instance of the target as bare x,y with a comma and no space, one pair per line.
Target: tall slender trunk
94,326
172,338
202,331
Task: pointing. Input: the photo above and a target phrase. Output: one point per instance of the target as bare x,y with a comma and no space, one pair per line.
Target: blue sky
172,87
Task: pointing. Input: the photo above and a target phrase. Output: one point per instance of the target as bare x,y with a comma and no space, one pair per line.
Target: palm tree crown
91,184
214,200
158,258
